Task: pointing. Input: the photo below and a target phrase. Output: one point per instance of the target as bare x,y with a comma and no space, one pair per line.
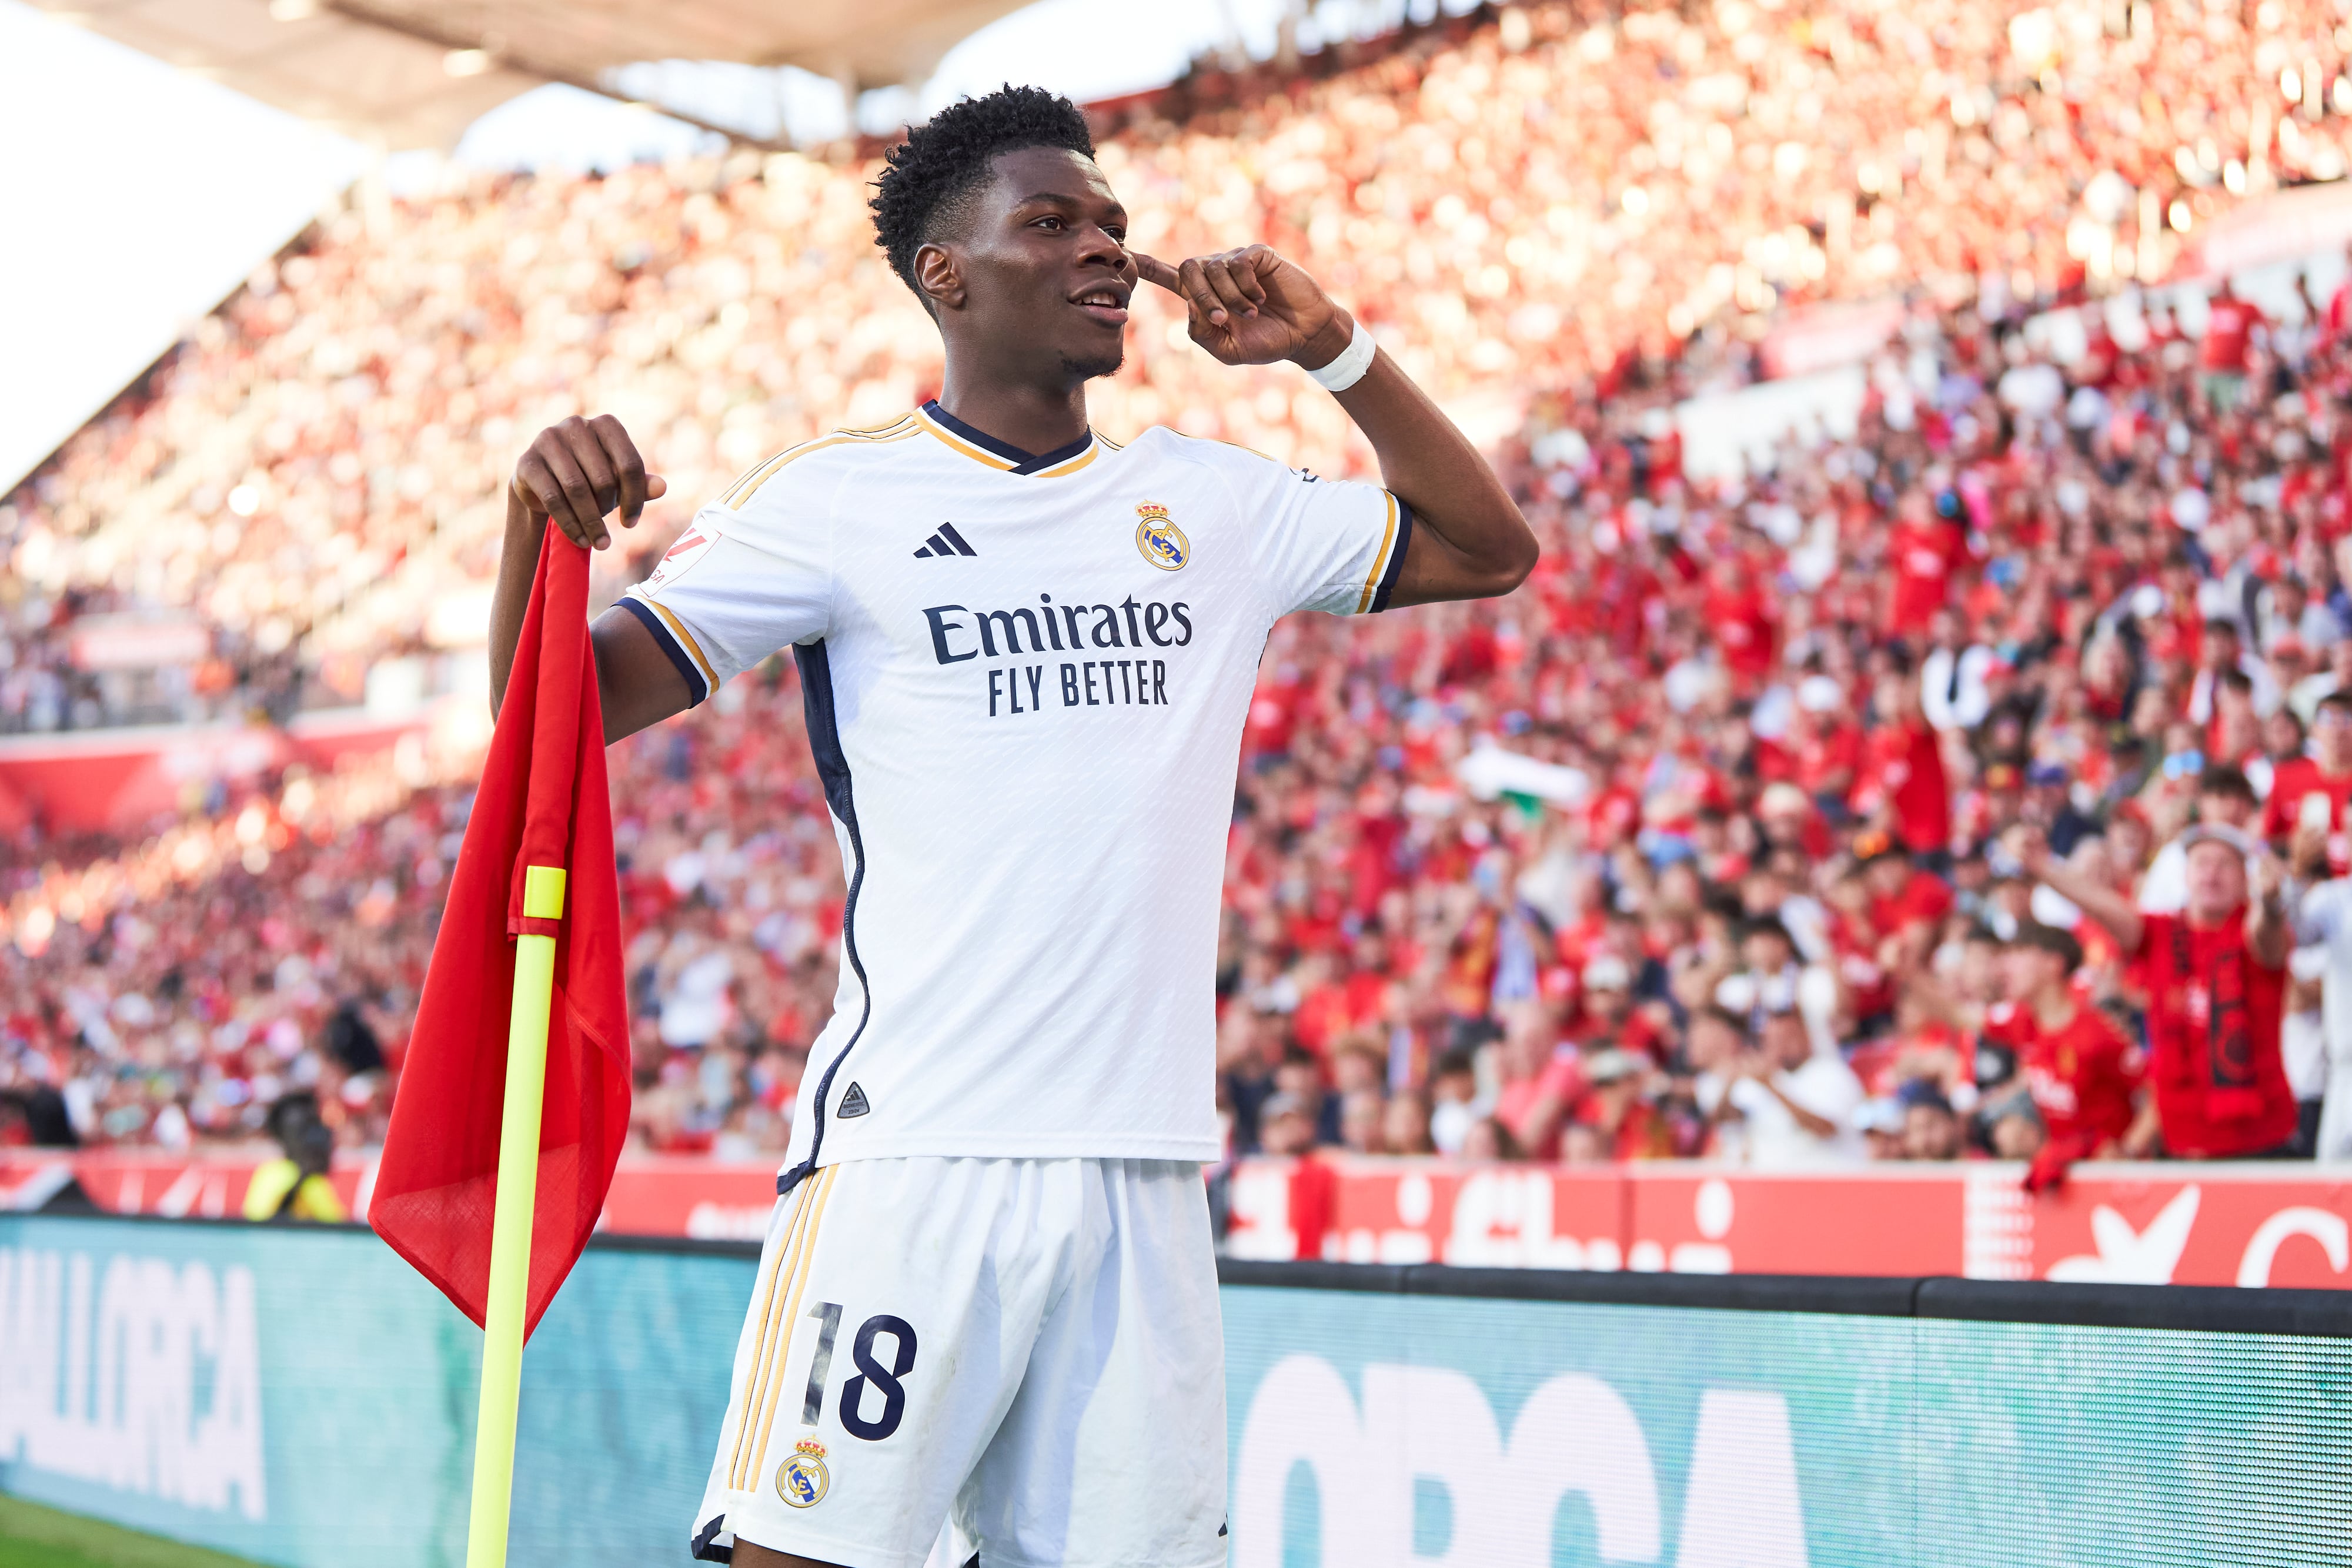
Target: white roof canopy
415,73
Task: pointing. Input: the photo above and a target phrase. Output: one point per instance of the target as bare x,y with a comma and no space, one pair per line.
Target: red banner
2135,1223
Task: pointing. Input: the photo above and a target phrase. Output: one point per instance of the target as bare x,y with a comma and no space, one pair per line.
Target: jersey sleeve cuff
1395,567
653,622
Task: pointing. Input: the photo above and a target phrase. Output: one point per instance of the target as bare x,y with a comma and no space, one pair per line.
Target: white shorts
1020,1359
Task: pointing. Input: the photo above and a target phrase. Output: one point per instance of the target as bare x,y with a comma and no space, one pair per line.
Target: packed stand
1513,204
1724,836
175,993
1971,786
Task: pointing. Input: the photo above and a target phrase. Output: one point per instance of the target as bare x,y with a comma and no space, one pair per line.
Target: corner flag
514,1100
541,838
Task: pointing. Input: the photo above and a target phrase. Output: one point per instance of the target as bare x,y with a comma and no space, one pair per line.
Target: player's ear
936,276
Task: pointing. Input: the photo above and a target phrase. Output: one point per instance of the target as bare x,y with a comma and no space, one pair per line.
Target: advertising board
2239,1224
2122,1223
1414,1431
299,1397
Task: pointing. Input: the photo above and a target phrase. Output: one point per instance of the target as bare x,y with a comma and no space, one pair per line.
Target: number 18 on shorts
1026,1350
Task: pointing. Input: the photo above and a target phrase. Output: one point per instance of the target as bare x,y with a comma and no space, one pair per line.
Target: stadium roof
415,73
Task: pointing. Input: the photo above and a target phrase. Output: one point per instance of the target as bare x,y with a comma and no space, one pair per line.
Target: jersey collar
982,447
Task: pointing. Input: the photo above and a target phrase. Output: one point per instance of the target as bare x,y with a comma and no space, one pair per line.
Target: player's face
1046,268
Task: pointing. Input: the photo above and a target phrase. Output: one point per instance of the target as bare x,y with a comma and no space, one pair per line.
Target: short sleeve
1322,544
744,580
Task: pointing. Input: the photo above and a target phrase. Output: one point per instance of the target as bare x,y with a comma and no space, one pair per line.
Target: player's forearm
518,565
1470,541
636,684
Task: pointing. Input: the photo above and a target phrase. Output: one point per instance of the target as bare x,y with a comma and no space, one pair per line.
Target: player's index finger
627,466
1151,270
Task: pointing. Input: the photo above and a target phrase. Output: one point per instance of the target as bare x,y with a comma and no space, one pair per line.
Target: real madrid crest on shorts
1164,544
801,1480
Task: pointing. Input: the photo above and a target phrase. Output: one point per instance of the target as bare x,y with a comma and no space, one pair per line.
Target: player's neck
2053,1006
1035,418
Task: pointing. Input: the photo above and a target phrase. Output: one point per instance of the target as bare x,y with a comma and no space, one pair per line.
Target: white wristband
1349,367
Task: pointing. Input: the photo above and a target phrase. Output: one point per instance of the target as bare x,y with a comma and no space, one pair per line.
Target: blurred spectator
2216,979
1798,1104
1931,1128
2232,326
1404,1126
2224,800
1543,1079
1488,1139
1286,1126
1882,1124
295,1185
1764,976
1615,1121
2082,1073
1363,1122
2081,532
2014,1127
2309,791
1455,1105
2323,923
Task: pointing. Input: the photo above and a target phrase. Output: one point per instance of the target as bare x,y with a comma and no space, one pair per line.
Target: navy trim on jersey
833,769
678,655
706,1546
1396,559
1023,462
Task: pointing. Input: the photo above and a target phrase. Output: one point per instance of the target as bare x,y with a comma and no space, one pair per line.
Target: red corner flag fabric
542,801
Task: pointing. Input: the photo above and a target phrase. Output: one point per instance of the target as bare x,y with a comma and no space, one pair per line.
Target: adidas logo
853,1103
947,541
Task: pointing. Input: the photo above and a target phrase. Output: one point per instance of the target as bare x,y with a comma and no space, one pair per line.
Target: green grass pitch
32,1536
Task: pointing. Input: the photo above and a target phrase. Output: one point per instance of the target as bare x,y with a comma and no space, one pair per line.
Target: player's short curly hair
932,175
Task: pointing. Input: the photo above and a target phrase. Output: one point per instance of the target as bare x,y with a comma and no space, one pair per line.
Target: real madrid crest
1164,544
801,1480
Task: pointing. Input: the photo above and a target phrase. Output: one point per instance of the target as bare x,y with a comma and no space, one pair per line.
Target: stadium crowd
1726,834
1514,205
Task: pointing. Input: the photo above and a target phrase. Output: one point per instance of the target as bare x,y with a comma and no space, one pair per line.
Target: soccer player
1026,652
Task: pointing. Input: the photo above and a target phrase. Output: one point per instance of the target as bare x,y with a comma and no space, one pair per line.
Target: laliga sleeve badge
1164,544
801,1480
691,546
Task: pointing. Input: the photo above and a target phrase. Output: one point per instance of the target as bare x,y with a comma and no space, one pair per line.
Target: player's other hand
576,471
1250,307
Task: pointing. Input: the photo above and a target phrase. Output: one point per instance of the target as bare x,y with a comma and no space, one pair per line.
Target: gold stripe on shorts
767,1325
777,1349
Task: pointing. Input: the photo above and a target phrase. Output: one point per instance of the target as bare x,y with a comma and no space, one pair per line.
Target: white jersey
1026,679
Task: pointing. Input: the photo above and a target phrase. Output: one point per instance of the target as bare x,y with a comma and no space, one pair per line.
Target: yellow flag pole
518,1187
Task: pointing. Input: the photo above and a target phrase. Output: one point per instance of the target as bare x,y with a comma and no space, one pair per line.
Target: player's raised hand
1250,307
576,471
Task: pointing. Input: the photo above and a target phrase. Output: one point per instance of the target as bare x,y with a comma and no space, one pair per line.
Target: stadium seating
1565,224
